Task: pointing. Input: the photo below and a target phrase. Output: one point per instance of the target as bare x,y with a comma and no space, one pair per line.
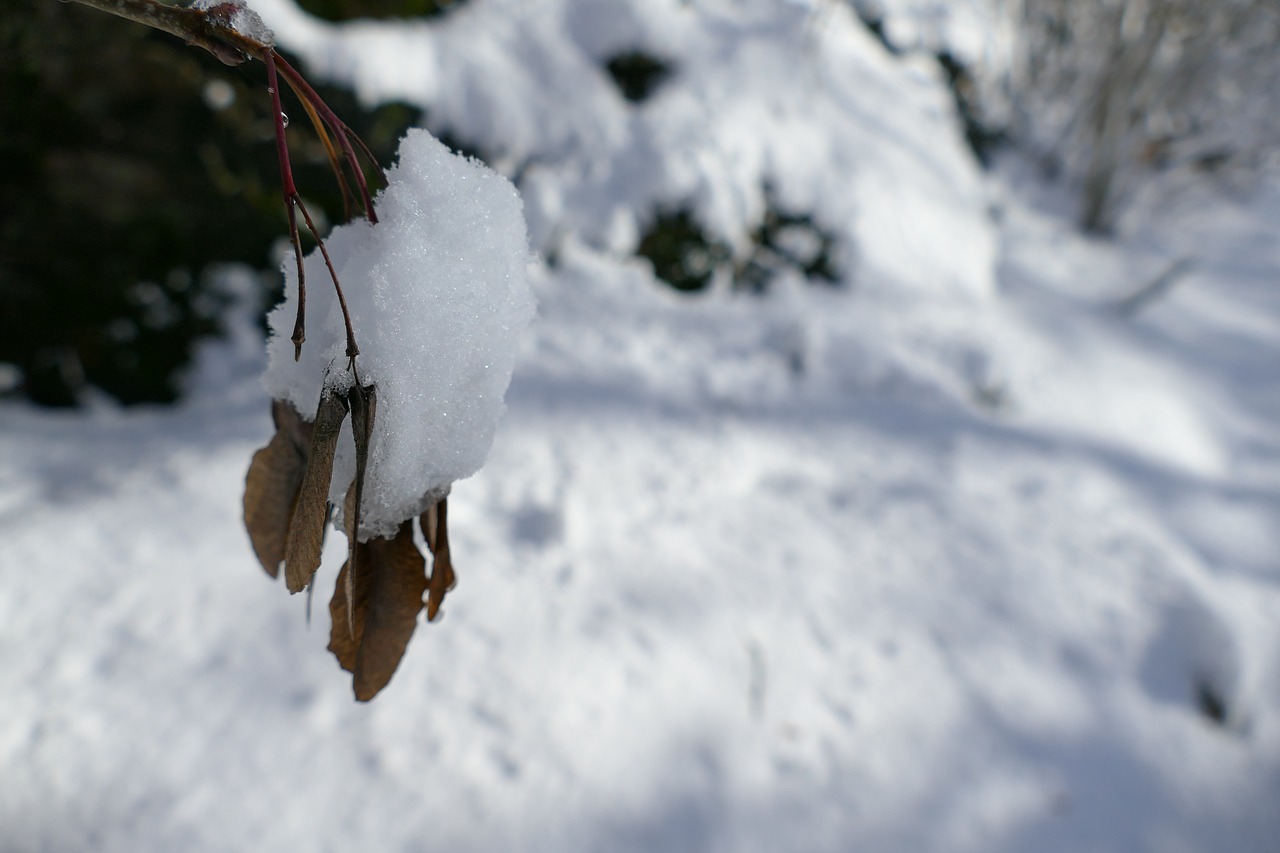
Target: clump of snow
438,296
246,22
240,18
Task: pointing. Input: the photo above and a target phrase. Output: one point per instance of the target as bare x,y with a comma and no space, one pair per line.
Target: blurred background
154,161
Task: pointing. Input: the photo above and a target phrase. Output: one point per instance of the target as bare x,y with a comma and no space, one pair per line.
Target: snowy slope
934,561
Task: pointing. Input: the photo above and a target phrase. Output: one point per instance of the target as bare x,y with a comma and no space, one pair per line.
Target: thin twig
290,194
340,129
335,157
292,198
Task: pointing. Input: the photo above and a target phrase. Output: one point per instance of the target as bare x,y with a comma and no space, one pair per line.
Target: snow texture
922,563
242,19
438,296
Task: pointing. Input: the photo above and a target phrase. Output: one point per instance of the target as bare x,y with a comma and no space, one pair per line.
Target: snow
922,562
240,18
778,79
438,296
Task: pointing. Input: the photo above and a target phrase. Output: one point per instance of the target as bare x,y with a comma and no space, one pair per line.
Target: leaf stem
292,199
345,134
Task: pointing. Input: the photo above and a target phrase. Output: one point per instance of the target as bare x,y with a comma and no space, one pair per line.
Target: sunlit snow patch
438,297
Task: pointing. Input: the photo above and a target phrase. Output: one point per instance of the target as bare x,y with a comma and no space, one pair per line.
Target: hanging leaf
271,486
381,586
435,530
347,610
363,402
396,583
306,527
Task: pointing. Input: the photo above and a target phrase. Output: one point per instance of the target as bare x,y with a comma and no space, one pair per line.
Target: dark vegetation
787,241
687,258
983,135
682,254
637,74
346,10
135,164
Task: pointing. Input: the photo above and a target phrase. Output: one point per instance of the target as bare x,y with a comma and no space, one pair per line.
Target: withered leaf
271,486
396,582
381,587
290,422
306,527
346,609
363,402
435,529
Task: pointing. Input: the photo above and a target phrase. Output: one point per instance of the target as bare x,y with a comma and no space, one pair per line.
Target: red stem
292,198
352,349
290,194
340,130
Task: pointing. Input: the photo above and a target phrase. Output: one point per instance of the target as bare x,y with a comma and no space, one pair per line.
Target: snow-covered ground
946,558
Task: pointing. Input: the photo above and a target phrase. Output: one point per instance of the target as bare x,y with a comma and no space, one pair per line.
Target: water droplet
271,90
284,119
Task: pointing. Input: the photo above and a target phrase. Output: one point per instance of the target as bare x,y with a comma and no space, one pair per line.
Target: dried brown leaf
306,527
435,529
430,523
347,611
271,486
396,582
363,402
290,423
